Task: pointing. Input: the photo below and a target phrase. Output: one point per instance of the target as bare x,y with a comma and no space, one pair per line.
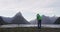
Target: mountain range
19,19
45,20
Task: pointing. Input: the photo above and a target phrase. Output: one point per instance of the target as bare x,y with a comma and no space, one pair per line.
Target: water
30,25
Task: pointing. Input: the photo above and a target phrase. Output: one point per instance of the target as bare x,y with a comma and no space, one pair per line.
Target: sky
29,8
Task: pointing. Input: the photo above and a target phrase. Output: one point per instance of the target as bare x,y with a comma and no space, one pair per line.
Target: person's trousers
39,24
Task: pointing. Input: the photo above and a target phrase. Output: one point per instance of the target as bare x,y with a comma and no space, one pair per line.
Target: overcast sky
29,8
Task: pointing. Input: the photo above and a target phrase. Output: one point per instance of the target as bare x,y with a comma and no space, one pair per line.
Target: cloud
25,3
8,12
29,8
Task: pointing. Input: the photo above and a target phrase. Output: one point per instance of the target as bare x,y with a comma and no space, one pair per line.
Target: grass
30,29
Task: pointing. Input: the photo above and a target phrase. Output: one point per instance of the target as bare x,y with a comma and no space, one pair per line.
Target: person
39,18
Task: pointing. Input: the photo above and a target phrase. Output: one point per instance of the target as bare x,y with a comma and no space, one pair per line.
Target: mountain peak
18,14
19,19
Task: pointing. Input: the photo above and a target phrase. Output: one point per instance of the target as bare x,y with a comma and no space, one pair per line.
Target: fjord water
30,25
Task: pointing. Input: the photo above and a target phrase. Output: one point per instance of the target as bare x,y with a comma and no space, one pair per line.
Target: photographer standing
39,18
